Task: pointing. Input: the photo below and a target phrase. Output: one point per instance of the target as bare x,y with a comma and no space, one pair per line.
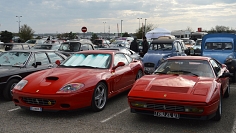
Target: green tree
6,36
94,36
26,33
141,31
221,29
126,34
71,35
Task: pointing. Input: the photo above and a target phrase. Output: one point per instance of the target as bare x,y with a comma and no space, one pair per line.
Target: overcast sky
59,16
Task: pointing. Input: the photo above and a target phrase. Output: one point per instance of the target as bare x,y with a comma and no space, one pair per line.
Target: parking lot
116,117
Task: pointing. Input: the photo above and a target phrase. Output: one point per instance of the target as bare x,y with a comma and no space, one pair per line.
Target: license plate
166,115
36,109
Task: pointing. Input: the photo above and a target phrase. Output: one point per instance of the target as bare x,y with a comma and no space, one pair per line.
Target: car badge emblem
49,103
165,95
37,91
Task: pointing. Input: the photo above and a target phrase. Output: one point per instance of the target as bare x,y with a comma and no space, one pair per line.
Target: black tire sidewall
94,107
7,90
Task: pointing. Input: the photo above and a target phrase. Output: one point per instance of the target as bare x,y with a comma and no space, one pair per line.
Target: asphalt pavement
116,117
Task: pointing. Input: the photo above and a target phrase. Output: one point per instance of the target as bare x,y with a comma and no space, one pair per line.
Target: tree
94,36
221,29
140,32
71,35
126,34
26,33
6,36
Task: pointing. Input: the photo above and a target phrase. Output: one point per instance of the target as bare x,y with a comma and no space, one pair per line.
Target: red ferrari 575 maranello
85,79
182,87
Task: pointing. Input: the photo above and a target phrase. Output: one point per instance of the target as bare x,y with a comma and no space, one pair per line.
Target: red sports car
182,87
85,79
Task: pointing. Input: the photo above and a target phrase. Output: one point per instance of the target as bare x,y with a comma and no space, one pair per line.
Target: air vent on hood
52,78
170,89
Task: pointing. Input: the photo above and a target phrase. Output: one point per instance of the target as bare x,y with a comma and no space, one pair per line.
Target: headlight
229,59
194,109
139,104
21,84
71,88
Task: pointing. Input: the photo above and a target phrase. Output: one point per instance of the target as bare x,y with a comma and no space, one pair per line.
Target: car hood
50,81
220,56
155,57
174,88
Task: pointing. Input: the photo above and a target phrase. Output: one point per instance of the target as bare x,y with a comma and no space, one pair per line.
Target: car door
38,57
121,75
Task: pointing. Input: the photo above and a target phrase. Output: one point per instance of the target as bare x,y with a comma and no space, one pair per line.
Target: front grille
166,107
39,101
149,64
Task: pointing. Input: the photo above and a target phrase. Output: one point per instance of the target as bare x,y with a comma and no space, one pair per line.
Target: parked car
190,87
221,46
16,64
196,49
47,46
159,51
72,46
13,46
85,79
125,50
31,42
120,43
102,43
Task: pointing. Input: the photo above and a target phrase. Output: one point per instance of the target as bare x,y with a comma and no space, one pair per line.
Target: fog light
139,104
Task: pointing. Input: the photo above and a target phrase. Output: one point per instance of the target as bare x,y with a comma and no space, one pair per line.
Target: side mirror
36,64
118,65
58,62
226,74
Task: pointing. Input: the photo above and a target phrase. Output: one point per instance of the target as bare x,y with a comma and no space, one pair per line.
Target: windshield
161,46
193,67
13,58
219,45
88,60
198,42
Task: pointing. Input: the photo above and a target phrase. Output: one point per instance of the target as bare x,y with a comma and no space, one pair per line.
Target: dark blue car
159,51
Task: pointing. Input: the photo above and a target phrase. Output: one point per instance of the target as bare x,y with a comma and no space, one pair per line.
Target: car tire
139,74
227,92
7,91
217,117
99,97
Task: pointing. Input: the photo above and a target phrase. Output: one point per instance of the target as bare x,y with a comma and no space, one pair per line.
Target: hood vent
52,78
170,89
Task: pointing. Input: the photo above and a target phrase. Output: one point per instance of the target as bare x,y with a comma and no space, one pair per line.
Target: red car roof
189,58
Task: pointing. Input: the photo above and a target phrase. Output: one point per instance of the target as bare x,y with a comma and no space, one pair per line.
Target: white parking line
13,109
107,119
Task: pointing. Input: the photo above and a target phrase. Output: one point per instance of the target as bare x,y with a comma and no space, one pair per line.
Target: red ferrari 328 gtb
182,87
85,79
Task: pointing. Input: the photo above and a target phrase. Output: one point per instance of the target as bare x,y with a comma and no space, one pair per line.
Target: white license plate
166,115
36,109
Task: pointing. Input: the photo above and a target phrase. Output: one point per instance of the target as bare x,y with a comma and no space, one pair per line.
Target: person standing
145,45
134,45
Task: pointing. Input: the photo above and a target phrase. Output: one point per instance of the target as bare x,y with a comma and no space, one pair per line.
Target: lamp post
104,27
19,22
145,27
121,28
139,22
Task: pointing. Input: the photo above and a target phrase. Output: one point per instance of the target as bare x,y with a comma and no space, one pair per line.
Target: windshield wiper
184,72
160,72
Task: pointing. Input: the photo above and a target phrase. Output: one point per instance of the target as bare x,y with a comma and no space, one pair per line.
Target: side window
90,47
120,58
54,57
42,57
84,47
17,47
129,58
215,67
26,47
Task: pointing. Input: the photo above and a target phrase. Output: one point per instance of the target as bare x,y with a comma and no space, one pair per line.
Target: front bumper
55,102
